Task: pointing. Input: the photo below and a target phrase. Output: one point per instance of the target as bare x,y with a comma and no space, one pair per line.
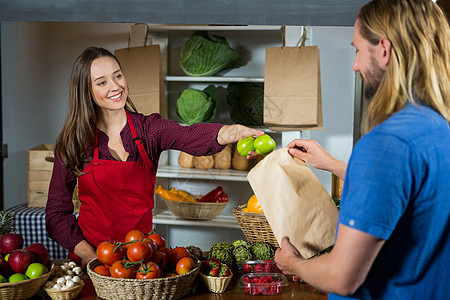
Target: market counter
295,290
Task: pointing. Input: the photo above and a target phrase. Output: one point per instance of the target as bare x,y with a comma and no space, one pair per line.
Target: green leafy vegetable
246,102
195,106
204,54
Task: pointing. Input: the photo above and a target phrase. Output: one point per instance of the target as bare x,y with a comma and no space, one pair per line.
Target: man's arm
343,270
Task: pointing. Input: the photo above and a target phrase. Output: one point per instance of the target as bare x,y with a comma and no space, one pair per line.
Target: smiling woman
112,152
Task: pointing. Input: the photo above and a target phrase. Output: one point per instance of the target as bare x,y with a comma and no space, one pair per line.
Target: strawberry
214,272
247,268
224,271
269,266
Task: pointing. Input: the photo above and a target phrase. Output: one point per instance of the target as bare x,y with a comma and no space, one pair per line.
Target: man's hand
312,153
287,257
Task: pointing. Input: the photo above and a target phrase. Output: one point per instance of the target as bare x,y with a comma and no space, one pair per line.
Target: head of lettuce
204,54
195,106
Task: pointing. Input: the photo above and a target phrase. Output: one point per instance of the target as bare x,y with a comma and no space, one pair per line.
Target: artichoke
196,251
241,253
239,243
261,251
222,254
222,245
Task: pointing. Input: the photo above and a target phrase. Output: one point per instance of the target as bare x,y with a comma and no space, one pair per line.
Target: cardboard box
40,167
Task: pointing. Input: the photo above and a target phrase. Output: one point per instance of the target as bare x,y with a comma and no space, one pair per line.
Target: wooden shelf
166,217
192,173
214,79
164,27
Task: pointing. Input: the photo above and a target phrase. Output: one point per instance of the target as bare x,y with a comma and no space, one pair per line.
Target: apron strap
137,140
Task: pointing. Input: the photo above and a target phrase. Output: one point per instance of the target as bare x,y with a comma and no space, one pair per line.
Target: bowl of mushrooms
66,282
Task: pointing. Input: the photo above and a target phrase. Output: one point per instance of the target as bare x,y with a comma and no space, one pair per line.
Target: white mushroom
68,277
56,287
64,287
69,272
76,279
72,264
61,280
77,270
49,284
63,268
70,284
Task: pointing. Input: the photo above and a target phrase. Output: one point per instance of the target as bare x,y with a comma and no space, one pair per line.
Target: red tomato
118,270
160,258
133,235
151,243
184,265
159,240
106,253
170,275
139,250
176,254
148,271
164,249
102,270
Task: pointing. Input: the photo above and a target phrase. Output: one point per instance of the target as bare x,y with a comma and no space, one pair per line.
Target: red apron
116,196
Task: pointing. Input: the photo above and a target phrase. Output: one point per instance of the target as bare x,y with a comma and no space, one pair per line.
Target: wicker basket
68,294
132,289
195,211
216,284
24,289
255,226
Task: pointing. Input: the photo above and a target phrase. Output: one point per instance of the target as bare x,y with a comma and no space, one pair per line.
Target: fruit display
142,256
16,262
263,283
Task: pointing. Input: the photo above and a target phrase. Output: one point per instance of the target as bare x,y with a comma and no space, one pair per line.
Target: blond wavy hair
420,56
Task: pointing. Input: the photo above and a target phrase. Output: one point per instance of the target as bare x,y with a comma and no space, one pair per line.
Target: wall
36,64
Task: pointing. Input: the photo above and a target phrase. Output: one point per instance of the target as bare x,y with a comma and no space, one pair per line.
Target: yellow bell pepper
174,195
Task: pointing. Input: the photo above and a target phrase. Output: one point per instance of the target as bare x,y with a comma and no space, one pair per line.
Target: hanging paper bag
294,202
142,69
292,88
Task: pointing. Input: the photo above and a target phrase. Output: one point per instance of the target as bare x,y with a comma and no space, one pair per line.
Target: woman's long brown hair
77,133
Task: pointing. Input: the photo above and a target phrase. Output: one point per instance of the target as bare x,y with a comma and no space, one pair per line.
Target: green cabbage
195,106
204,55
246,102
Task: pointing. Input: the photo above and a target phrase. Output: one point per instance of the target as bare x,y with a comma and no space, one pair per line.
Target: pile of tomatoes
142,256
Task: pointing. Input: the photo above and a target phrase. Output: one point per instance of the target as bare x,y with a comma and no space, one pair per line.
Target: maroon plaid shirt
159,135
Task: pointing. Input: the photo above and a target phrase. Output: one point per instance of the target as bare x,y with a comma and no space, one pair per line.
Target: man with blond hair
393,238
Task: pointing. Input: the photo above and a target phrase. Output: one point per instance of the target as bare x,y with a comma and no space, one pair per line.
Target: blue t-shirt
397,188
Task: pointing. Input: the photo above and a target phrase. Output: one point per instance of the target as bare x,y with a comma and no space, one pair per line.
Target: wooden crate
40,167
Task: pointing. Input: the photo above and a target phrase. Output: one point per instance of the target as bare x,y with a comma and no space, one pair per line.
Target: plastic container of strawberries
258,266
266,284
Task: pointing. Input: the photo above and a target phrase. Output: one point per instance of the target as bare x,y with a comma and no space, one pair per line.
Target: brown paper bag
294,202
142,69
292,88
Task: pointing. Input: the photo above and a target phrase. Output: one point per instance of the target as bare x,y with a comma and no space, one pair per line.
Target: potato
222,160
240,162
204,162
185,160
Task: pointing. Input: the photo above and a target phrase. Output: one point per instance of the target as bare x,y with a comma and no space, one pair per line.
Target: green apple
2,279
264,144
17,277
35,270
245,145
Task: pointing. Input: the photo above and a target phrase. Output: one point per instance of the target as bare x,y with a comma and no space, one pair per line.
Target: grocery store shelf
166,217
214,79
158,27
192,173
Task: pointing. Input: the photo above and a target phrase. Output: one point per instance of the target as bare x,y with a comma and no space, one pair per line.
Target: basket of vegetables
142,268
186,206
254,223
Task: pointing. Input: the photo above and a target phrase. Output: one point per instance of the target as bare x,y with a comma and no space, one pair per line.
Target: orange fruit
253,205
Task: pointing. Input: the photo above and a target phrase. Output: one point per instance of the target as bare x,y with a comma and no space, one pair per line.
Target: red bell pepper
213,195
222,198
